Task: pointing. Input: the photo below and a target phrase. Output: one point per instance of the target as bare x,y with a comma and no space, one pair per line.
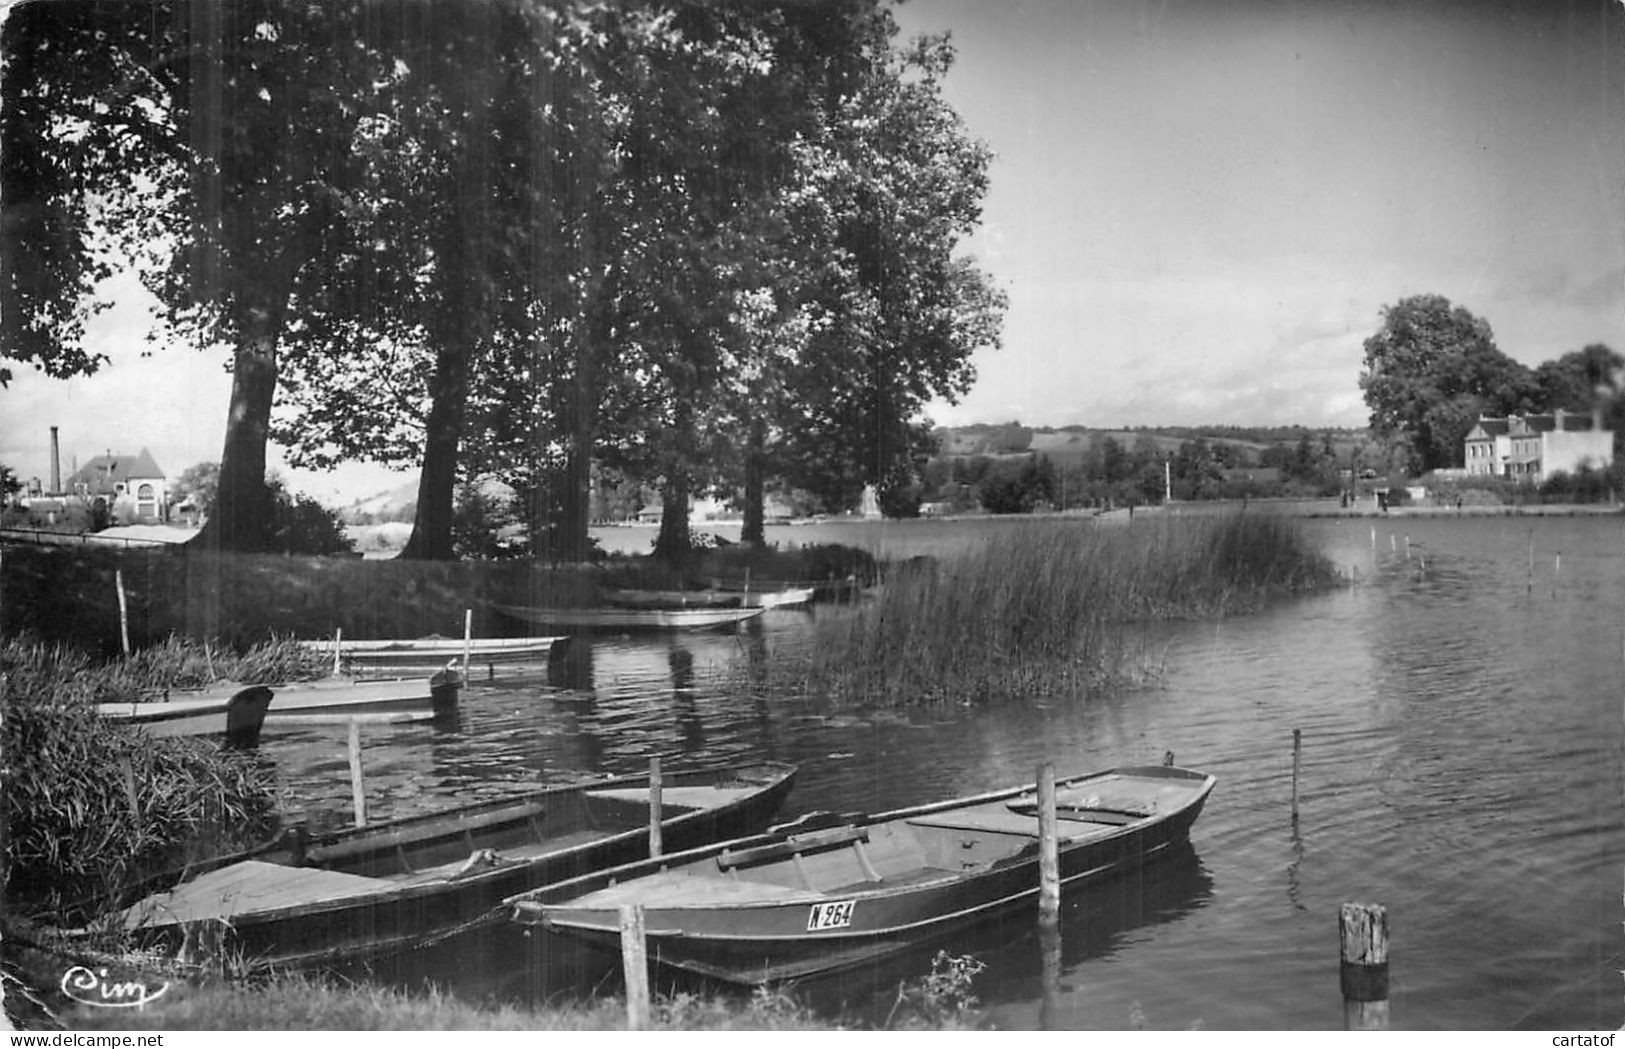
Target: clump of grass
1052,608
63,787
307,1003
943,998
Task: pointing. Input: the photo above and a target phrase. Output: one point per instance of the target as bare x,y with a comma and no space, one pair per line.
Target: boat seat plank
249,885
994,820
685,797
798,845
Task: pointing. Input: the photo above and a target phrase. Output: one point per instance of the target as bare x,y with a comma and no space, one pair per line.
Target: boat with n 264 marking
801,902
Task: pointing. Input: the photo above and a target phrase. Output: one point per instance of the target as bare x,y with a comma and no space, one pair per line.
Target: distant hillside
393,505
1060,443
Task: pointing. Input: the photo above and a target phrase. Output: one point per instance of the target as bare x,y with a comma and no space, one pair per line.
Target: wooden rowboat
628,618
300,701
434,652
236,713
668,599
768,593
802,902
788,597
205,711
395,886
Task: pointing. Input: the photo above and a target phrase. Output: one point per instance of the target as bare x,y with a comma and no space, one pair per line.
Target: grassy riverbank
296,1003
1051,608
89,806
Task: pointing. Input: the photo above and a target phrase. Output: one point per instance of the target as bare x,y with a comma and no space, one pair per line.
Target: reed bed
90,807
1055,608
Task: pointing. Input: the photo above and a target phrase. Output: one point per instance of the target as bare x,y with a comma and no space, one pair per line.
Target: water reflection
1026,983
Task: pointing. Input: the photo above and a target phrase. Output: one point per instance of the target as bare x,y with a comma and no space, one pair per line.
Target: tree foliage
1430,371
688,242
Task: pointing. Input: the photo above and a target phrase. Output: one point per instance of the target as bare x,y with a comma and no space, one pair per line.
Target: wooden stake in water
1297,768
654,807
1049,947
1363,932
123,610
468,639
338,649
1049,865
358,792
635,964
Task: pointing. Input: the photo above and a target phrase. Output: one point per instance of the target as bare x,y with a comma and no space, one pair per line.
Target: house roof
104,471
1488,428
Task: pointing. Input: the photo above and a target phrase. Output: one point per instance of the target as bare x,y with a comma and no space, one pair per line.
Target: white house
133,485
1534,447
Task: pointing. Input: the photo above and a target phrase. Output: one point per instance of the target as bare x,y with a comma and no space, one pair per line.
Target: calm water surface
1460,705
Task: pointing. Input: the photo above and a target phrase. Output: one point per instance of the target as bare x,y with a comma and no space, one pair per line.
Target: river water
1463,764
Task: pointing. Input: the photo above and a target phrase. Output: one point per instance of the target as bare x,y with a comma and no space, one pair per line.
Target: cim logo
89,987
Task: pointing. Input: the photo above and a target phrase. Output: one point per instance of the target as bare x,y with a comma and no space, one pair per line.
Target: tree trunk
241,518
754,531
571,540
673,544
431,538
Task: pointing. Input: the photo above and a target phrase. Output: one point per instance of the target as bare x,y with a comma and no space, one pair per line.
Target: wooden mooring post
358,793
1297,768
1049,865
635,964
123,610
338,649
655,790
468,640
1363,932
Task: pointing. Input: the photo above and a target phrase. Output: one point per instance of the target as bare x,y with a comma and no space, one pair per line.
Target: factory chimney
56,465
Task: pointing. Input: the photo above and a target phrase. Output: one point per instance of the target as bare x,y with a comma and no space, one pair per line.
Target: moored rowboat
236,713
802,902
394,886
205,711
787,597
438,651
628,618
668,599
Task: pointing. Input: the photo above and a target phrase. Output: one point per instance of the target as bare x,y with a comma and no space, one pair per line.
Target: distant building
1534,447
133,486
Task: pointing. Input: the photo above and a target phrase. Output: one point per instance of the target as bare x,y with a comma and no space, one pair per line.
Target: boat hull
806,933
236,714
434,653
352,926
629,618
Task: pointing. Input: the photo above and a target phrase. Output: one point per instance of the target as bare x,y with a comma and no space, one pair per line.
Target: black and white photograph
878,516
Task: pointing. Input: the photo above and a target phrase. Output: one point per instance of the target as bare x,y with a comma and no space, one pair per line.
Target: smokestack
56,465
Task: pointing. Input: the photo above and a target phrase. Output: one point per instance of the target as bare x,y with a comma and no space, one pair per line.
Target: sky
1198,211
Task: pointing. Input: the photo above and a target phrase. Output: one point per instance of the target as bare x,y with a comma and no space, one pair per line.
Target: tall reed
64,792
1052,608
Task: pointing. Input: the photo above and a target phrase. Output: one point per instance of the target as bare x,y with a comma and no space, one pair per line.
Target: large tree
1430,371
889,192
208,143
